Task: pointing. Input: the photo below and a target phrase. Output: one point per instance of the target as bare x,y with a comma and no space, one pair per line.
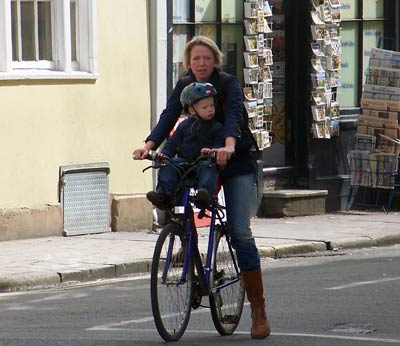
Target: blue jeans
239,199
168,177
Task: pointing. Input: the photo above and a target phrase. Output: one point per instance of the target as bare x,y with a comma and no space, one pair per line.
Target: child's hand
160,155
205,151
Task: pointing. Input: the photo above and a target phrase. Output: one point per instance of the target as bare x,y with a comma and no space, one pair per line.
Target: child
195,136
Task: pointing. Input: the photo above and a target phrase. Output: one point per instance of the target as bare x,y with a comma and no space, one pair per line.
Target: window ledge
41,74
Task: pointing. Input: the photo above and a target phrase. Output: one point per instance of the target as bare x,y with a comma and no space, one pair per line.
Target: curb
32,281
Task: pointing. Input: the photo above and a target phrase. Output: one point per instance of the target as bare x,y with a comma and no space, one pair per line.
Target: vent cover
85,198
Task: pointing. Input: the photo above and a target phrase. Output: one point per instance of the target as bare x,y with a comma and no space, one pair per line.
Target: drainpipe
397,25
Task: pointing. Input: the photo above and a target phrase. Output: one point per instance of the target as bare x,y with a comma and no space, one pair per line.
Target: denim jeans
239,198
168,177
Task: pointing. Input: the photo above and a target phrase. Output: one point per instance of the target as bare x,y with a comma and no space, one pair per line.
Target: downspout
397,25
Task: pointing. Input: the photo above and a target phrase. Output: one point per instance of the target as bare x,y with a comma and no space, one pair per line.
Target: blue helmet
194,92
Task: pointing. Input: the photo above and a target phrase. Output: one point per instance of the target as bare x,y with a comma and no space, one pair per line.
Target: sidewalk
45,262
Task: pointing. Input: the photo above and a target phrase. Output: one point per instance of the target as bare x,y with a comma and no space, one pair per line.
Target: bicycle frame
203,271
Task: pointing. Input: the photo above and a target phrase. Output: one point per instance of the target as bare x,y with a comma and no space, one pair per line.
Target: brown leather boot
253,285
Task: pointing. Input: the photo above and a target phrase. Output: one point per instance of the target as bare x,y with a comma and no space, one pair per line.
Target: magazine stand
377,175
374,162
325,67
257,71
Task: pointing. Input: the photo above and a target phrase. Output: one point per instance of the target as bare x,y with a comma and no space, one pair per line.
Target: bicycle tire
171,299
226,303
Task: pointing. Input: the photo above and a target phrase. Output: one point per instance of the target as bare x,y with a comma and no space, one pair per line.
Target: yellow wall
47,124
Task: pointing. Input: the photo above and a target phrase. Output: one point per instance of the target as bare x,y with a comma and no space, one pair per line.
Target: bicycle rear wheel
171,295
227,297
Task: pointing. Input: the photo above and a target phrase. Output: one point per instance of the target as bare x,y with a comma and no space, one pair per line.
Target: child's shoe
202,199
161,200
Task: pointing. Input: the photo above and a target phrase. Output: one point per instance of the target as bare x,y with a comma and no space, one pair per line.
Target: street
343,298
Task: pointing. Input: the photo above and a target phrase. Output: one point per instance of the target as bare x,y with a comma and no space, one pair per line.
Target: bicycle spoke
227,297
171,293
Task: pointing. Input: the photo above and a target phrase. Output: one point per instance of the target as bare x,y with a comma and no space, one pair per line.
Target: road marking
300,335
362,283
121,325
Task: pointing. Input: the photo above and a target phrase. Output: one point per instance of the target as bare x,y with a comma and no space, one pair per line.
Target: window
47,39
362,29
221,20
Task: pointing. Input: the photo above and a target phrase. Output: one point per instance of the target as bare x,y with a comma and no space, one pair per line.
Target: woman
202,59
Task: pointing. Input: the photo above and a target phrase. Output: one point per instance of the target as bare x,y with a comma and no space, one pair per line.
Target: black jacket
192,135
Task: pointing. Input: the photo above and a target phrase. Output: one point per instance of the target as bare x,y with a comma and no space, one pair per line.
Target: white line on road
362,283
300,335
121,325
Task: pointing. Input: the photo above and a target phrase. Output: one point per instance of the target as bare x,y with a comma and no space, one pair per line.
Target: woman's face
202,63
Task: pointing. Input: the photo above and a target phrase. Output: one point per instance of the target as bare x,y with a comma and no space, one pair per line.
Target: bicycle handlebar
165,160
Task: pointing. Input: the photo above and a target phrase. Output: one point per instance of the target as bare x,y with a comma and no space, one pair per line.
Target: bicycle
179,280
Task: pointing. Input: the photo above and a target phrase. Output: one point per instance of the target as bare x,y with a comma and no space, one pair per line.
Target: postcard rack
325,67
257,71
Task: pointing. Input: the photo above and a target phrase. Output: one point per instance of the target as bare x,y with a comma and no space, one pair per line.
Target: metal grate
84,194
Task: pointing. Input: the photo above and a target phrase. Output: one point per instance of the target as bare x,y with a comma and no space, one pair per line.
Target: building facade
83,81
74,90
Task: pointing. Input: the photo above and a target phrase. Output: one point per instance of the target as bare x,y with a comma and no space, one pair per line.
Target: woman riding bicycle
202,59
197,135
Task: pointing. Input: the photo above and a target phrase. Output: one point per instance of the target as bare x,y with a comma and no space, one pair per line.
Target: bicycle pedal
230,319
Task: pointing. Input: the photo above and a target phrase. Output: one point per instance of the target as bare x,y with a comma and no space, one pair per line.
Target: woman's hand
225,153
205,151
141,154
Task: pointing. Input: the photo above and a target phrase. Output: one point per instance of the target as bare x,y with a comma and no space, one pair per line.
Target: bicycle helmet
194,92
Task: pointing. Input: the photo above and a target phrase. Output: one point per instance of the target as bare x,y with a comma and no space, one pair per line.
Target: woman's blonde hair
201,41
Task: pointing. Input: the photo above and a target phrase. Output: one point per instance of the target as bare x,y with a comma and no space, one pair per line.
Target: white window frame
62,66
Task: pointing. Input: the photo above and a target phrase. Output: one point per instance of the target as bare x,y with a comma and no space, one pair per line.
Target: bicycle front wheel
227,290
171,292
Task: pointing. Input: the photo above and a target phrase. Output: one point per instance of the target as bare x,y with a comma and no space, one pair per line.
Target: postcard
250,10
316,18
318,112
334,110
251,75
251,59
317,65
316,48
318,32
317,98
251,43
267,74
251,26
334,127
251,108
248,94
335,15
267,54
318,129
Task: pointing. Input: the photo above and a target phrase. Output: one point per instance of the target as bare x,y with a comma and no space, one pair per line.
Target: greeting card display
257,72
325,67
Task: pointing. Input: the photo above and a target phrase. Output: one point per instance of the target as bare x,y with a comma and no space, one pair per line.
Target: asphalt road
345,299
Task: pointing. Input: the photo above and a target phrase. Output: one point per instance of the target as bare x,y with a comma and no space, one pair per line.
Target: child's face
204,108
